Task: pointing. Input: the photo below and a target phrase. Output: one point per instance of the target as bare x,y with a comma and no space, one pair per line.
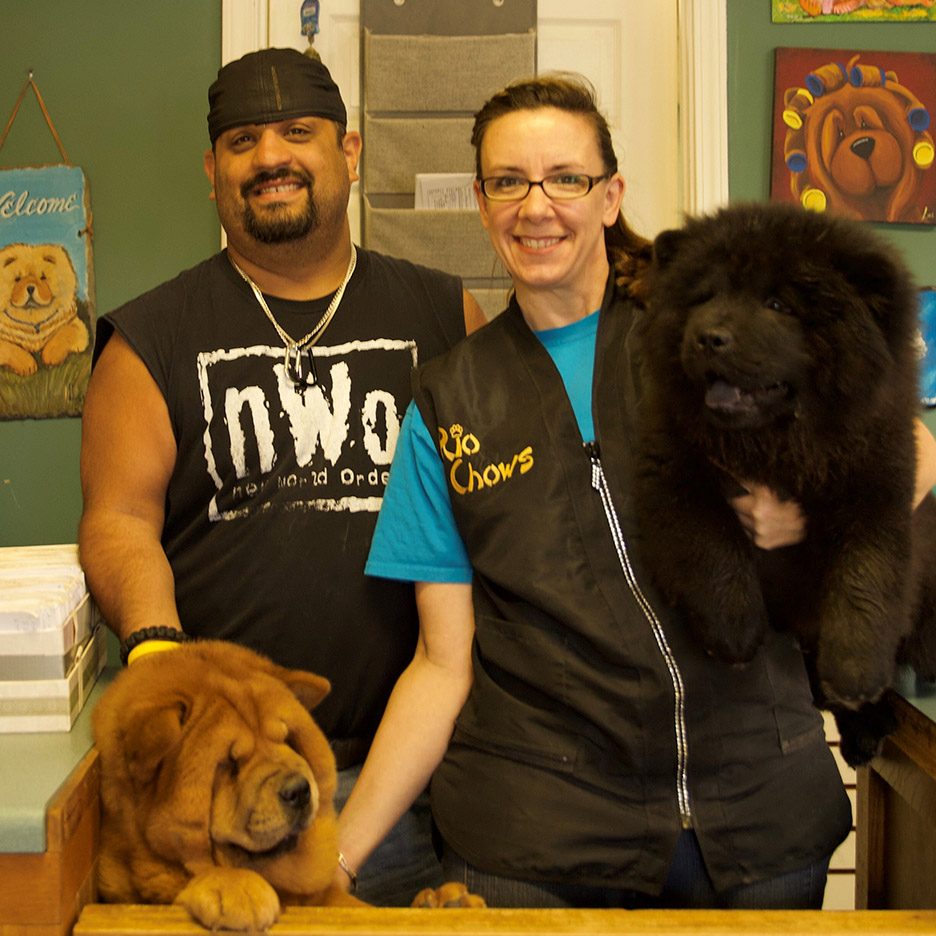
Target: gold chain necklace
298,361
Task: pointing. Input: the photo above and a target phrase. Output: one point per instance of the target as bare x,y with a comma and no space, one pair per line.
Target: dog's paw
54,354
230,898
731,640
849,681
862,732
734,652
17,359
450,894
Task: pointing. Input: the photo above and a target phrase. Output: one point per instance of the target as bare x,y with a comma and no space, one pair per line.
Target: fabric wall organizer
427,67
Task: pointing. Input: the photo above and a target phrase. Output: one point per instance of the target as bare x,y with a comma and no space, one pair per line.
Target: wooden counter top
131,920
32,769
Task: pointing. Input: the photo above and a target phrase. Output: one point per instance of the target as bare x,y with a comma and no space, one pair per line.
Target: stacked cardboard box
52,642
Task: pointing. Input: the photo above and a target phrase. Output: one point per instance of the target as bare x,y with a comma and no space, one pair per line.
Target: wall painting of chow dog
853,11
853,135
46,283
46,292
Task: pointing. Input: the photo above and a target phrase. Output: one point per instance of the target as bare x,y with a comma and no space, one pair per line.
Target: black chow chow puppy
779,347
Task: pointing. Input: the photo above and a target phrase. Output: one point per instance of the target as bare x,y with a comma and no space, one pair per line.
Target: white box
39,587
48,654
46,613
43,705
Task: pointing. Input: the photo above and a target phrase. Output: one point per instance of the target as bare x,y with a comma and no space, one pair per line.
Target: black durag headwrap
271,85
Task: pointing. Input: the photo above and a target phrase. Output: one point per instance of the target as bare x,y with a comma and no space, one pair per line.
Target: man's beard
281,225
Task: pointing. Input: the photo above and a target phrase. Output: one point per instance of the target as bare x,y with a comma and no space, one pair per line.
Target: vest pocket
799,723
526,661
517,704
790,743
559,761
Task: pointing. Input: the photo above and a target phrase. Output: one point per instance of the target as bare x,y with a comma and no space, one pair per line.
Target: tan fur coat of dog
217,787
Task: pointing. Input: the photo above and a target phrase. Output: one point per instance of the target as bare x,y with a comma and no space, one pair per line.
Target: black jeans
688,886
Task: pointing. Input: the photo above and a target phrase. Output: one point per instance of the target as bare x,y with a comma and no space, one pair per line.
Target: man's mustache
261,178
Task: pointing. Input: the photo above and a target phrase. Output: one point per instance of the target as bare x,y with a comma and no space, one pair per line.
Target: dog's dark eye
700,298
776,305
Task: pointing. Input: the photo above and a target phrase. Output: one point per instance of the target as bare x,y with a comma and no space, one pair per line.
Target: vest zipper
600,484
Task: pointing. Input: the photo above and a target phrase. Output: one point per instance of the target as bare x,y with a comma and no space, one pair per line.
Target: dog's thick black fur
779,347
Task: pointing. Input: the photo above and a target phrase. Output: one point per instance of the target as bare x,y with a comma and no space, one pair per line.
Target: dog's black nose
714,339
863,148
295,792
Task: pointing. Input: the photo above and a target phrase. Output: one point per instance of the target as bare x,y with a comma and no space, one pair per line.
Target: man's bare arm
128,452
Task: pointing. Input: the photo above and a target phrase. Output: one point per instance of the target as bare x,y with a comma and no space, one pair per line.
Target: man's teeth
284,187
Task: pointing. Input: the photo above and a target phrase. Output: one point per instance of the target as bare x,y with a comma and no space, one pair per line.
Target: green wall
125,83
752,38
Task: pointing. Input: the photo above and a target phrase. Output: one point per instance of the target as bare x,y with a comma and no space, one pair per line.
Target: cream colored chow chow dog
38,307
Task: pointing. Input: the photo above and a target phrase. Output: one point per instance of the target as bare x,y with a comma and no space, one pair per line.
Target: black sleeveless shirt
275,492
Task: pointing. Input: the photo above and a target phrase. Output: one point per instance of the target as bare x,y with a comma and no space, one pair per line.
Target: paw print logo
455,443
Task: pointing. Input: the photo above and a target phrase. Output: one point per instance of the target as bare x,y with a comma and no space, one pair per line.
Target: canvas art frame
46,291
852,133
928,346
47,308
852,11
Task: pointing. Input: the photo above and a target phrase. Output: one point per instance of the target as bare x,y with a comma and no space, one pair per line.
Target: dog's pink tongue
722,395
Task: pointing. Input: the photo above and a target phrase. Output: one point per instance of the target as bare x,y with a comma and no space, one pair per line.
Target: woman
600,758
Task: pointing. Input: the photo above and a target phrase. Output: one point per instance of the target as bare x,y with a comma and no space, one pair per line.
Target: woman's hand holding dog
769,521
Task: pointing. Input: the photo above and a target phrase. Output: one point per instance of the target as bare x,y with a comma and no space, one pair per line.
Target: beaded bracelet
172,634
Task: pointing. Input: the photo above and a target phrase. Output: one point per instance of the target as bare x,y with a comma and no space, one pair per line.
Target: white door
630,50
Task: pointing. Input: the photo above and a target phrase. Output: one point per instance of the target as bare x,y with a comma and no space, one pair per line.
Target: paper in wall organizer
443,191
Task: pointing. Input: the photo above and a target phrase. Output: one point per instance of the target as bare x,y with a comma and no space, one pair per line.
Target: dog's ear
150,734
308,688
885,285
666,246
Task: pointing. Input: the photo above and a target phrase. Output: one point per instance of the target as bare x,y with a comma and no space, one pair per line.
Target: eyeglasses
561,187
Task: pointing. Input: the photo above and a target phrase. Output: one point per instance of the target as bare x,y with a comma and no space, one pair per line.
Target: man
241,418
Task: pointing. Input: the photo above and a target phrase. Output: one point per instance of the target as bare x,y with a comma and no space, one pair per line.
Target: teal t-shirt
416,539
